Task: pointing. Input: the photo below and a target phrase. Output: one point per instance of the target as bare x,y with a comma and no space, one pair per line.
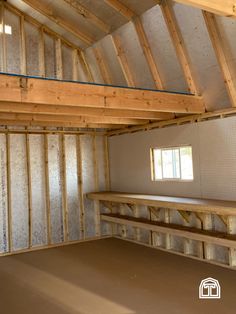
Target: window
173,163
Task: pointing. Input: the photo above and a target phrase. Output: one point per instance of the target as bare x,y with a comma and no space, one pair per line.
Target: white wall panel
214,160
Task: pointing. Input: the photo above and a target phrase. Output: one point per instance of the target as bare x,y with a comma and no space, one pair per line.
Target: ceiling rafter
36,23
216,40
88,15
121,8
221,7
102,66
148,53
116,41
178,43
143,40
38,6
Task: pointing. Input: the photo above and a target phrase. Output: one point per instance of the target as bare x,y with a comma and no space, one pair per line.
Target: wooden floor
109,276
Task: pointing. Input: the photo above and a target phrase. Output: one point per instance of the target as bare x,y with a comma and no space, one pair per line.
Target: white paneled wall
214,160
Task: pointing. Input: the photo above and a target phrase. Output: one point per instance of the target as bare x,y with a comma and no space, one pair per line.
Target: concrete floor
109,276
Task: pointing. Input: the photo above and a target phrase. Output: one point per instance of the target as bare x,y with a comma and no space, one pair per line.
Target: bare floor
109,276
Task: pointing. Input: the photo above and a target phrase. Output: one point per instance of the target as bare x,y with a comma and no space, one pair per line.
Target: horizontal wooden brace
69,119
10,107
208,236
195,205
52,92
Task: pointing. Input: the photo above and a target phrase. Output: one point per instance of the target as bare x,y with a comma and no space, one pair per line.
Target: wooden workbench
207,228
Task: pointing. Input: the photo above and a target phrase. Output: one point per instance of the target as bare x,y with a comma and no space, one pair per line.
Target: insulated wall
44,179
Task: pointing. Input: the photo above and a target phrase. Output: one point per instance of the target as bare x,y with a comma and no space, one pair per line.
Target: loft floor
109,276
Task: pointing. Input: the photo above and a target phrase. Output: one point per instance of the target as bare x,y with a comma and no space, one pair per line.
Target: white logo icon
209,289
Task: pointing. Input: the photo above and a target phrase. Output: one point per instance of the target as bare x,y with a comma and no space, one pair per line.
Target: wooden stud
64,189
208,248
168,236
80,188
220,53
107,163
9,203
96,184
231,229
27,148
47,191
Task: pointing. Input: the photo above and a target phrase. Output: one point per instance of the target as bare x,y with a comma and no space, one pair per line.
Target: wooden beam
218,114
148,53
121,8
122,60
52,92
6,107
178,42
71,120
220,53
225,8
102,66
58,124
89,16
47,12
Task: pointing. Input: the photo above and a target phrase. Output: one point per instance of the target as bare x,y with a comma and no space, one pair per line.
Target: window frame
153,177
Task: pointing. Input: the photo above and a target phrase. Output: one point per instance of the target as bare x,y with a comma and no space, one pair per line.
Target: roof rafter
121,8
221,7
116,41
220,53
102,66
42,9
178,42
148,53
85,13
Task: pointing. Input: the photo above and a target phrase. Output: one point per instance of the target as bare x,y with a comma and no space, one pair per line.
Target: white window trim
168,179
